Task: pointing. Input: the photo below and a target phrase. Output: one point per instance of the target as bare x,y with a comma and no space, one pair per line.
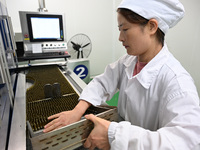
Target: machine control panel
44,50
54,45
45,47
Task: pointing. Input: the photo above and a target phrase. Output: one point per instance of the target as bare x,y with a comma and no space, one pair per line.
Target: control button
26,35
61,53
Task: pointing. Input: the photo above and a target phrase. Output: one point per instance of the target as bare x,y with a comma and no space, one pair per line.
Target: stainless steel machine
32,108
40,84
8,63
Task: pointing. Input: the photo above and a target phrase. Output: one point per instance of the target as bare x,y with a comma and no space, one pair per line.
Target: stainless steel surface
17,140
60,62
35,49
7,62
74,80
2,80
24,26
12,33
42,7
14,47
9,43
71,136
5,74
18,124
4,117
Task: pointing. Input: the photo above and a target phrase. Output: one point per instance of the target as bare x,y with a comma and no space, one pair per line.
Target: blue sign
81,71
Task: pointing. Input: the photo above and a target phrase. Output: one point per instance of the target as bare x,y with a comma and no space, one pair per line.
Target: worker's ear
152,26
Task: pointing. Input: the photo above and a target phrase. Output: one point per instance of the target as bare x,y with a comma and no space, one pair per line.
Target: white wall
97,19
183,40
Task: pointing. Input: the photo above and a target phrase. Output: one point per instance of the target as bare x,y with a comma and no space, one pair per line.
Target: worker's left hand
99,135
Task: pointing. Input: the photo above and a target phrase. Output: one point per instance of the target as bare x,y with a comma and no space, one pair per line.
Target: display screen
45,27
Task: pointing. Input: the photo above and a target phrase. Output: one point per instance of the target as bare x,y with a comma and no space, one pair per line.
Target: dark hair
133,17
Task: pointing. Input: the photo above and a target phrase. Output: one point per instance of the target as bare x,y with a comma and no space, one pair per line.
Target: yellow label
26,39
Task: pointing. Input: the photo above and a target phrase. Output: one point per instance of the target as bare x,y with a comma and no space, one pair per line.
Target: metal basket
71,136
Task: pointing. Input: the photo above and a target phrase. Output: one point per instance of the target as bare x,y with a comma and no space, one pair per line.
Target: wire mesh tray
71,136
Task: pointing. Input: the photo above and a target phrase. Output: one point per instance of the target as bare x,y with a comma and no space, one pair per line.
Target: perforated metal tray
71,136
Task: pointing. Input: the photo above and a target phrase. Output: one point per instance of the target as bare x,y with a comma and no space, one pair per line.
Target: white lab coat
160,105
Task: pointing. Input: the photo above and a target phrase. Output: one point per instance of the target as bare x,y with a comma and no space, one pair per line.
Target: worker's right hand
61,119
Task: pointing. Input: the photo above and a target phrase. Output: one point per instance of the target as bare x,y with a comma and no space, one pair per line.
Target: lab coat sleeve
104,86
179,128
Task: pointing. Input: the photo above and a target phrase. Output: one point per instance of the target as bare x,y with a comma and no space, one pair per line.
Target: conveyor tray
39,108
70,137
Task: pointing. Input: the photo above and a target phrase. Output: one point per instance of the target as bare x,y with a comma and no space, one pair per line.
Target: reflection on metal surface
17,139
71,136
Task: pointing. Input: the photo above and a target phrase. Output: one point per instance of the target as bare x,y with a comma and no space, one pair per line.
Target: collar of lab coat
150,71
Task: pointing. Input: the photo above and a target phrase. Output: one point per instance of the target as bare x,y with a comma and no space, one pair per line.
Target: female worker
158,100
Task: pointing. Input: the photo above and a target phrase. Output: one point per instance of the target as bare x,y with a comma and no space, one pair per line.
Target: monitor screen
43,27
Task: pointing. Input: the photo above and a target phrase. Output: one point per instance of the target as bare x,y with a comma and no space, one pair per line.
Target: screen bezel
28,16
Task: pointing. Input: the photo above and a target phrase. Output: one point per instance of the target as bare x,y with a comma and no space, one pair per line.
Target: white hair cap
167,12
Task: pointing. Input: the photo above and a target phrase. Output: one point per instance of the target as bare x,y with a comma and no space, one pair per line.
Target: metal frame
5,74
71,136
28,45
18,124
17,140
5,110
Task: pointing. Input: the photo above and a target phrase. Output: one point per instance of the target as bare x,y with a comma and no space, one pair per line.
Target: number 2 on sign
81,71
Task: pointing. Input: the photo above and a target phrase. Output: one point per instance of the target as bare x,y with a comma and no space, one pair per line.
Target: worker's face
133,37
